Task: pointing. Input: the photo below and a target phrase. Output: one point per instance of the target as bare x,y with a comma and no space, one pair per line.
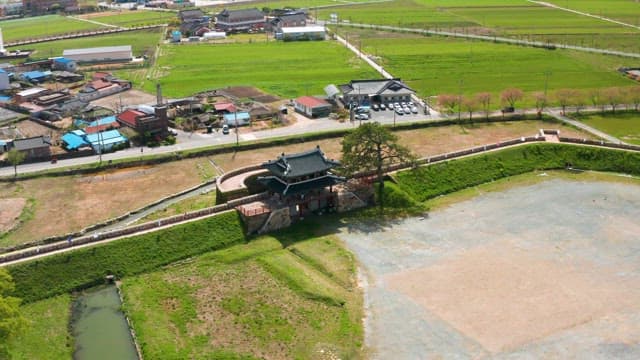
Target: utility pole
237,135
460,82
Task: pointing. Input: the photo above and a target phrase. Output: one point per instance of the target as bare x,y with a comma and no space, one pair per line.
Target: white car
362,116
406,110
414,109
396,105
383,106
399,111
410,104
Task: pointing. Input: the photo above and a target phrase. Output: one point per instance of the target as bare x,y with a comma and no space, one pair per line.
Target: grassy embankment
41,26
623,125
62,273
251,301
436,65
285,69
429,182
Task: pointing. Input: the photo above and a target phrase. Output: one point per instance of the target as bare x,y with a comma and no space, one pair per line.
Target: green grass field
250,301
625,126
436,65
40,26
142,42
136,18
621,10
46,335
286,69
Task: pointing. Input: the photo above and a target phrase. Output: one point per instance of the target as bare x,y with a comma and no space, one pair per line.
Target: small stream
99,326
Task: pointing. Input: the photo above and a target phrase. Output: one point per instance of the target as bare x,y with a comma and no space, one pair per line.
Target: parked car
399,111
383,106
406,110
414,109
410,104
362,116
375,107
403,104
396,105
390,106
225,129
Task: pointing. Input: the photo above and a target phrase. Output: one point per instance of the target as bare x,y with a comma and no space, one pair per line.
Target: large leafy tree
372,147
11,320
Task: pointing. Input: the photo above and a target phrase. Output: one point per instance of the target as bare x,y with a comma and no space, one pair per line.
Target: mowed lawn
142,42
41,26
436,65
288,69
134,18
625,126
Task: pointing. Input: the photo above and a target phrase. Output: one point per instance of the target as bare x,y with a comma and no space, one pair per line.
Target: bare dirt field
124,99
543,271
10,210
70,203
423,142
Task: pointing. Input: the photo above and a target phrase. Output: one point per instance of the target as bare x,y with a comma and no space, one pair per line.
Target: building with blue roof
64,64
103,121
35,76
74,140
106,140
239,118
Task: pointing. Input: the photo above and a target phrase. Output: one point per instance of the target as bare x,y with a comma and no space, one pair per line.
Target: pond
99,327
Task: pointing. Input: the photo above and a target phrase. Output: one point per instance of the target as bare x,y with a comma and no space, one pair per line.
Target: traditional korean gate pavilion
301,180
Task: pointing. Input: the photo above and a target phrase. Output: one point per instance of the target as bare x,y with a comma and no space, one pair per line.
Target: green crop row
62,273
428,182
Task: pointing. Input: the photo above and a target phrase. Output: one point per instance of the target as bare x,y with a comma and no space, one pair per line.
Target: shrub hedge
87,267
428,182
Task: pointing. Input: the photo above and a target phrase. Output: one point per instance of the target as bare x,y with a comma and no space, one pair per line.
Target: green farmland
286,69
625,126
621,10
519,19
36,27
135,18
143,41
436,65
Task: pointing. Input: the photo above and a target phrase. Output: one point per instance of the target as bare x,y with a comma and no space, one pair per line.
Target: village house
34,148
294,18
312,107
155,124
245,20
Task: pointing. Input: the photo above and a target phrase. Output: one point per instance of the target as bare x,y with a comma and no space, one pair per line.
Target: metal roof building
100,54
301,33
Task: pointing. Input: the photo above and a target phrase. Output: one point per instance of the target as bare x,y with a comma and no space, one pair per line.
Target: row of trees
614,97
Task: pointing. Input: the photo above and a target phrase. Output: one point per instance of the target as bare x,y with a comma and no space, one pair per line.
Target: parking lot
389,116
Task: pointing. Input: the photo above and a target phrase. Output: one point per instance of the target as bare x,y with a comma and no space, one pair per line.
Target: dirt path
544,271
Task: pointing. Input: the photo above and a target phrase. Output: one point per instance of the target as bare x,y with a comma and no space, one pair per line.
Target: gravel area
544,271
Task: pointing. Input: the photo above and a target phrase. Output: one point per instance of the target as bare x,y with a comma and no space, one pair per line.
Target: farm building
366,92
312,107
74,140
100,54
34,148
240,20
213,35
52,98
239,118
4,80
301,33
224,108
64,64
